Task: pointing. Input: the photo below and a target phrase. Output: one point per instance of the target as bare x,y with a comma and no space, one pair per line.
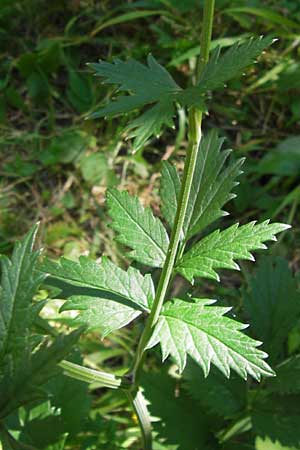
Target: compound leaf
146,84
106,296
219,249
273,303
138,228
203,332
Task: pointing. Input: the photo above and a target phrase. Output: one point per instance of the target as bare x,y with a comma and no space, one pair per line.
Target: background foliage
55,167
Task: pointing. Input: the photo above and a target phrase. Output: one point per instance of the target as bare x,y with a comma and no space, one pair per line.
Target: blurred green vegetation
55,166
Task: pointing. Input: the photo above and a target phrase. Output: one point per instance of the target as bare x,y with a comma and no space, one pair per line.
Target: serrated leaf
215,393
169,191
137,228
150,123
19,283
221,69
146,84
273,303
204,333
219,249
105,295
211,187
212,184
180,421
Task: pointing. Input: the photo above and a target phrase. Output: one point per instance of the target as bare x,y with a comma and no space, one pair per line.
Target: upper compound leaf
138,228
106,296
145,84
219,249
201,331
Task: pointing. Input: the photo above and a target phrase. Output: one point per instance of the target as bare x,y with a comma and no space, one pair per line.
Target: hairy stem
195,120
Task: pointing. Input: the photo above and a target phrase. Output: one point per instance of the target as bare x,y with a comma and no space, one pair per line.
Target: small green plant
108,297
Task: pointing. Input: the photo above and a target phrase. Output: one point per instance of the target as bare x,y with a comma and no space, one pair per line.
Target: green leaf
211,187
273,304
146,84
287,380
106,296
219,249
169,191
180,421
196,329
137,228
151,122
215,393
19,283
221,69
212,184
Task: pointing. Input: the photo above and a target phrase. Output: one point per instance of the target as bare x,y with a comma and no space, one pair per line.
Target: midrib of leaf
97,288
163,254
211,335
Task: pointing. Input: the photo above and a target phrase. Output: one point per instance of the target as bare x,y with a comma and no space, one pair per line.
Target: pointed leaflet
201,331
19,283
273,304
212,184
146,84
105,295
137,228
219,249
169,191
221,69
211,187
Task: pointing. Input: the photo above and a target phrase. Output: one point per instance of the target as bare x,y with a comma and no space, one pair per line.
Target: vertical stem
195,121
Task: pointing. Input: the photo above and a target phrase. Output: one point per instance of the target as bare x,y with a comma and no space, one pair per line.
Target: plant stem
195,120
140,407
94,376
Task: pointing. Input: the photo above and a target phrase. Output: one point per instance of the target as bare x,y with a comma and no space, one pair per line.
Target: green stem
94,376
140,407
195,121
